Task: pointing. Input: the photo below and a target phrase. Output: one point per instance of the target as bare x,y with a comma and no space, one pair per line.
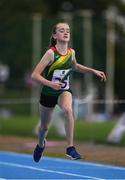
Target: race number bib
58,75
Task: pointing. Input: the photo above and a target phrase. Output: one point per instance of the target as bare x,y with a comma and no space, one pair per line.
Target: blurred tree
16,31
16,34
23,6
97,6
52,7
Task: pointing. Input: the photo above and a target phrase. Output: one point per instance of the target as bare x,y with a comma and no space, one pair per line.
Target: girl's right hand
56,85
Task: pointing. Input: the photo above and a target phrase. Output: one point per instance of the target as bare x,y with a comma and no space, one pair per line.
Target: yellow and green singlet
53,72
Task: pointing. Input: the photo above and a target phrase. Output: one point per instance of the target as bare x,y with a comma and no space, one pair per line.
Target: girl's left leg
65,103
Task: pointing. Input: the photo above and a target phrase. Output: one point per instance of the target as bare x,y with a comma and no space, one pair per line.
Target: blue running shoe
72,153
38,152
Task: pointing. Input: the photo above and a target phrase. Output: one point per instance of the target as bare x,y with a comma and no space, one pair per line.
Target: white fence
84,108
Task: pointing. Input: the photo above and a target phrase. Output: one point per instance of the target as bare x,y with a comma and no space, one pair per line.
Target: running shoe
72,153
38,152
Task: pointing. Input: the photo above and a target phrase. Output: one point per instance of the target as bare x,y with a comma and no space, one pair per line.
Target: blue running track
17,166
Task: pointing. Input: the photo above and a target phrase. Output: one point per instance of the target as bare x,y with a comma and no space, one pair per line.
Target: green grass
93,131
21,126
87,131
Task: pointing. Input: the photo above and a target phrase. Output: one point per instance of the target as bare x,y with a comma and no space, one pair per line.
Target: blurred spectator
29,83
118,131
4,73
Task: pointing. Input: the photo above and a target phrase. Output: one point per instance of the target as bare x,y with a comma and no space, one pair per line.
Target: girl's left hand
101,75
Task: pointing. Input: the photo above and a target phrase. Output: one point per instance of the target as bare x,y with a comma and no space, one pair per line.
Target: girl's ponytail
52,41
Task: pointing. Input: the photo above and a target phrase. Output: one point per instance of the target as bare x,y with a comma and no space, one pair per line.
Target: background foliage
16,47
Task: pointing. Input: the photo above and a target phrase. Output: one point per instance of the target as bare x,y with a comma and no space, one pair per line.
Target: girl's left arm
84,69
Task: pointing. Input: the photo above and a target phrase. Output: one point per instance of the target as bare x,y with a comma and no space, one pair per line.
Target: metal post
36,44
87,42
110,60
88,56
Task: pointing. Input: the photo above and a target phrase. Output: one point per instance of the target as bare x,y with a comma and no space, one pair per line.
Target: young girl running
52,67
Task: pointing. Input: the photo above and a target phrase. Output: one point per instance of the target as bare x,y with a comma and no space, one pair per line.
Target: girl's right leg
45,119
45,116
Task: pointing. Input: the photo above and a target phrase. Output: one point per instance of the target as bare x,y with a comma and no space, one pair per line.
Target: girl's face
62,32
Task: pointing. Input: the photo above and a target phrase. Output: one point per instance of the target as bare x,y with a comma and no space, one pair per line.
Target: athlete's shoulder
52,48
48,56
72,50
49,53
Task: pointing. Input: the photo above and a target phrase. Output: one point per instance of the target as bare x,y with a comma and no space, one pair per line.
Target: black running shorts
49,101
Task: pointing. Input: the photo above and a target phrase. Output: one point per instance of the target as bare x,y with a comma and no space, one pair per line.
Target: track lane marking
105,166
46,170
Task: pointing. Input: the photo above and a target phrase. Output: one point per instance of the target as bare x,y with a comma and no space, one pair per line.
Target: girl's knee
43,128
67,110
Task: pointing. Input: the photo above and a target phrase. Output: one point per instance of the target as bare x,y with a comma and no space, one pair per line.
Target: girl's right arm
38,70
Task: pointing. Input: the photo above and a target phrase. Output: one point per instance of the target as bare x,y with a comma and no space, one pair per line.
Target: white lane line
106,166
46,170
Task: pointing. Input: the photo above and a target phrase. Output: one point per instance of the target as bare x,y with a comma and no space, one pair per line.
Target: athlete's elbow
75,68
33,76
